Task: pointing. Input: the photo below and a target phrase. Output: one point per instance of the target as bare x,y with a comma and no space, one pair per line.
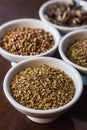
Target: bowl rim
62,54
64,28
42,112
21,20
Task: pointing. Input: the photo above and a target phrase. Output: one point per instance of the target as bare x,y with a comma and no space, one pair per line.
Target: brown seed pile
42,87
77,52
27,41
66,14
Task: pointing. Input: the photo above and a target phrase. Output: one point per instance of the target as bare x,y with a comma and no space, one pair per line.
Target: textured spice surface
42,87
63,14
27,41
77,52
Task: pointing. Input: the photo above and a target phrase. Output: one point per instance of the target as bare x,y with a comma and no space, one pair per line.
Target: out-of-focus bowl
32,23
43,116
63,29
66,41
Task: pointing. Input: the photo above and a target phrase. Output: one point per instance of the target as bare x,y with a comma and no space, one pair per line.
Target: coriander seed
27,41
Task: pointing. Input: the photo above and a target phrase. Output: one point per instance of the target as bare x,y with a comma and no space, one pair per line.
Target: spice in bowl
77,52
42,87
27,41
66,14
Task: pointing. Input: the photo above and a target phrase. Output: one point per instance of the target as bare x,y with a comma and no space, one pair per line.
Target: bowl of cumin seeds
73,49
42,88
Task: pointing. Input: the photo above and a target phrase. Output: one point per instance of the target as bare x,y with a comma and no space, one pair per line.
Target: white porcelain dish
32,23
66,41
43,116
63,29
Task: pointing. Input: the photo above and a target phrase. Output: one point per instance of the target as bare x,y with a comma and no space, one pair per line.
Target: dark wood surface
10,118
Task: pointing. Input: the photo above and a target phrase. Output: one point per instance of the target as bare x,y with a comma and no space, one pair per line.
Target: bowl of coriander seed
64,15
73,49
25,38
42,88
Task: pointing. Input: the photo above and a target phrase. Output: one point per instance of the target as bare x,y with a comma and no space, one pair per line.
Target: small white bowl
32,23
43,116
62,29
66,41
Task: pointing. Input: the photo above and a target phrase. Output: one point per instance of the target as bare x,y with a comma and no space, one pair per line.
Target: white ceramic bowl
44,116
66,41
62,29
32,23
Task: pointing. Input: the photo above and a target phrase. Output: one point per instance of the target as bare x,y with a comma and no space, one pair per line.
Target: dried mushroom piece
63,14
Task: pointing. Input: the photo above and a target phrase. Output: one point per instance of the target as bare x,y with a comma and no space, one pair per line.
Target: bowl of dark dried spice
43,88
73,49
64,15
24,38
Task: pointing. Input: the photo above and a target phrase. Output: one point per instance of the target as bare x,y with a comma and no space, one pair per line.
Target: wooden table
10,118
